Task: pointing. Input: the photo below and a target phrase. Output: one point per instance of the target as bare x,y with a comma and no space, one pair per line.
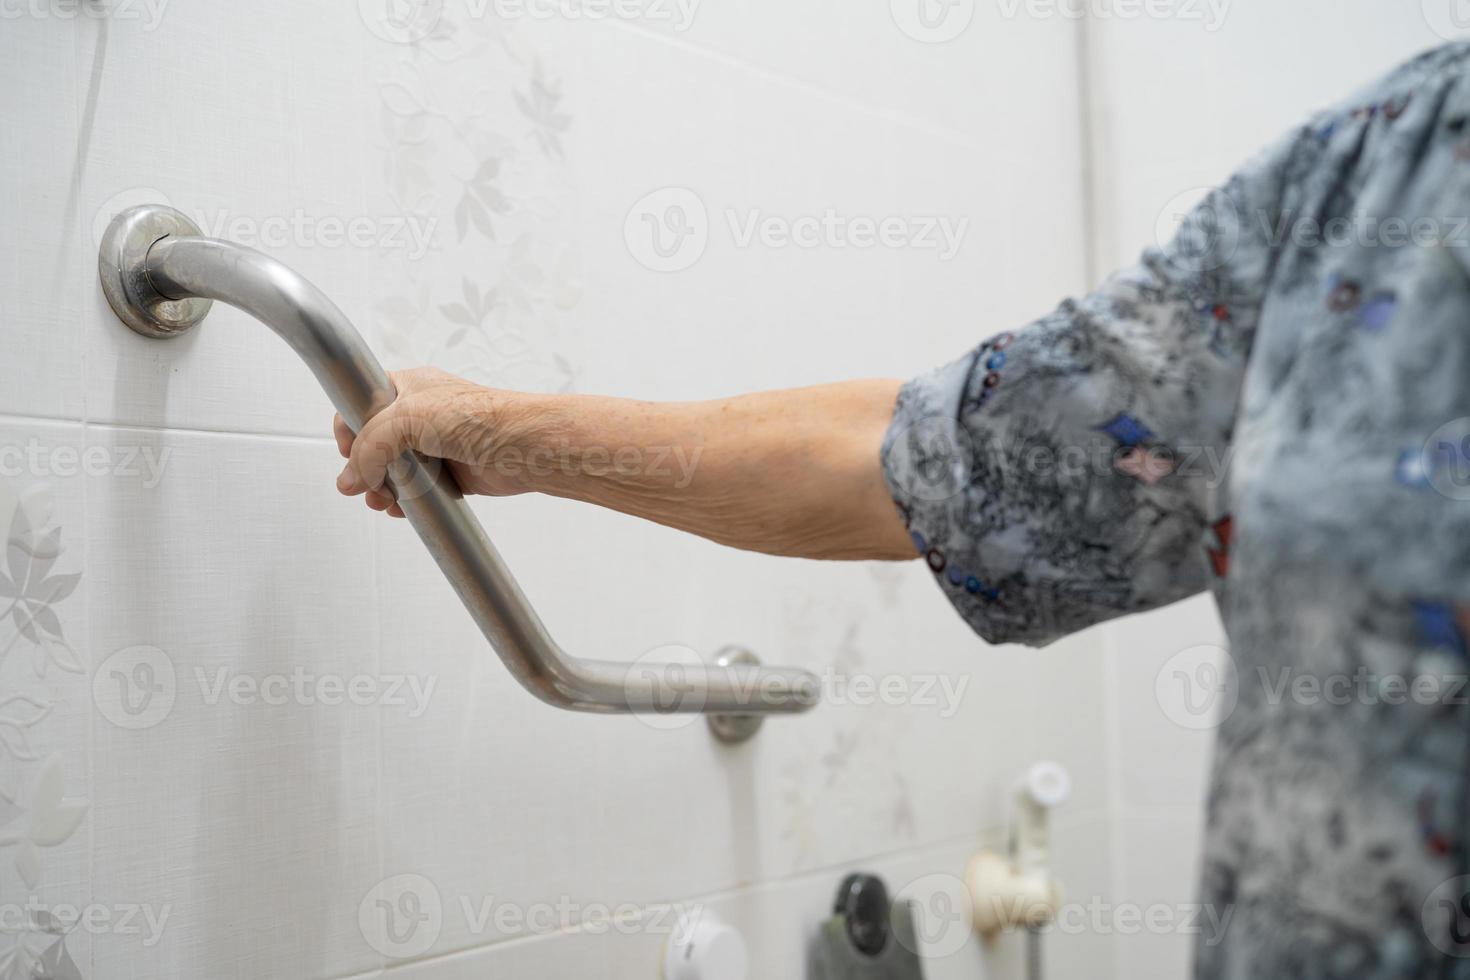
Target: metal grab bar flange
122,265
160,276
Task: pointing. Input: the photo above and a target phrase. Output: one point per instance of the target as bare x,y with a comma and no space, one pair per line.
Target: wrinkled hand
440,416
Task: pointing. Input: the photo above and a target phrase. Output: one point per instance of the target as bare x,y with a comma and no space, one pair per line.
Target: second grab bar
160,275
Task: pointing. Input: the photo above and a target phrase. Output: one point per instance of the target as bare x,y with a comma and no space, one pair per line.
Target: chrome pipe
160,276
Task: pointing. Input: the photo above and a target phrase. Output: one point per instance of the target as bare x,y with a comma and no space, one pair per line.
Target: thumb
386,436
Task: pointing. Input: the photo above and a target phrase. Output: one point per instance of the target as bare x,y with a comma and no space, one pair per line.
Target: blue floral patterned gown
1276,407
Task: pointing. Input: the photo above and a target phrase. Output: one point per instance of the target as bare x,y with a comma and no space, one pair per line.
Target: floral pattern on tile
472,126
36,810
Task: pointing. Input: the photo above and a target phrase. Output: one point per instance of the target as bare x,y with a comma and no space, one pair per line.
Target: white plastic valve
704,948
1048,784
1017,889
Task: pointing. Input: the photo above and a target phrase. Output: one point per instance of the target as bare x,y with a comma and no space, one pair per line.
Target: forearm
793,472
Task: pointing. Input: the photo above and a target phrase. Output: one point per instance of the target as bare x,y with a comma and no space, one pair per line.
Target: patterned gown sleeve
1068,472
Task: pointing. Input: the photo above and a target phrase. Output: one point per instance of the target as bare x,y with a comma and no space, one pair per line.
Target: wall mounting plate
122,267
732,729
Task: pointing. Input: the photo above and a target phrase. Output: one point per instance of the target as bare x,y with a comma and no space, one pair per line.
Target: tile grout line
754,888
698,900
381,804
92,76
1116,868
895,116
1087,151
88,424
1091,219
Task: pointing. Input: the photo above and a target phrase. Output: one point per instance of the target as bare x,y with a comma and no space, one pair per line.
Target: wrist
519,435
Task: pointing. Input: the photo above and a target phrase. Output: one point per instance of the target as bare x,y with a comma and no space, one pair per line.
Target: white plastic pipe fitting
704,948
1017,889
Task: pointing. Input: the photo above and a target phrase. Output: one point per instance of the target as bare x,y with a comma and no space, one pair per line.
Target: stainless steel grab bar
160,275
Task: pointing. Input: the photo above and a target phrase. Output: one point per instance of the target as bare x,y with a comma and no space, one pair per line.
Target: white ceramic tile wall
212,547
44,266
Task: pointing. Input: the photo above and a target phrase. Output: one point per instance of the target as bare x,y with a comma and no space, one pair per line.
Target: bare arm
792,472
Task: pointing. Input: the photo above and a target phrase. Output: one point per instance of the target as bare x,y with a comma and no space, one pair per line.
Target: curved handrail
159,275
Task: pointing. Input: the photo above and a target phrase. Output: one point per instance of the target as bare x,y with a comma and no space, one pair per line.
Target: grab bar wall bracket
161,276
122,265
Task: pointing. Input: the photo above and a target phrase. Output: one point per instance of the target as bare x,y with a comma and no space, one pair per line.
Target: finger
383,439
347,484
395,511
379,500
344,435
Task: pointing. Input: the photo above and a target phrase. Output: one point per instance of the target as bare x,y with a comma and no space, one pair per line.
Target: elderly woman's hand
444,417
785,472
